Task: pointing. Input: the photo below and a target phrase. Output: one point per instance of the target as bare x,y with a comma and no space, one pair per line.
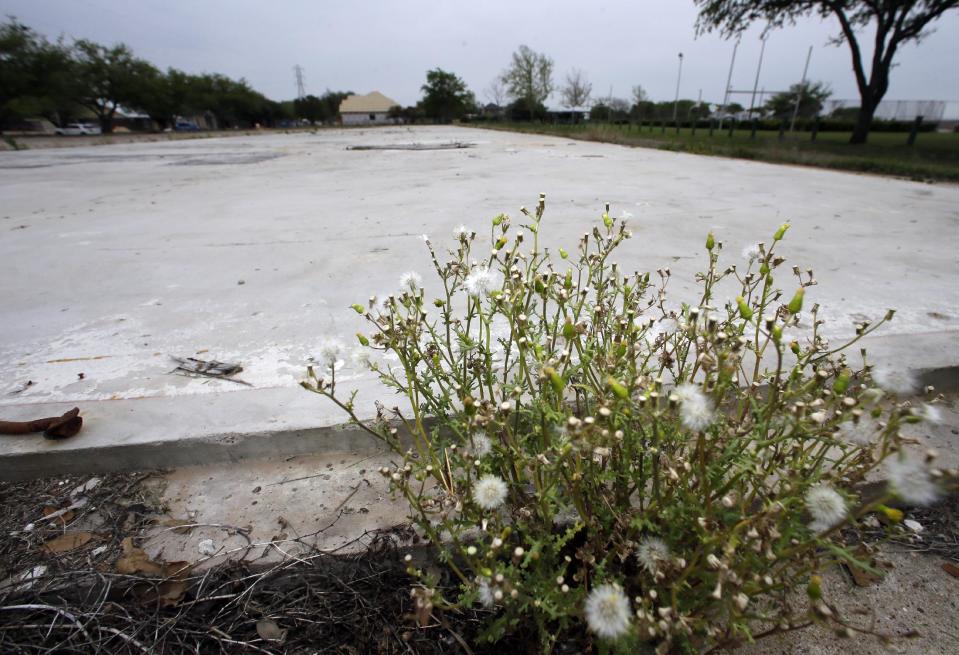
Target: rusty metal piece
54,427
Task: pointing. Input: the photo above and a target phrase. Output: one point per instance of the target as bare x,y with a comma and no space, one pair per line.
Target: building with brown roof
371,109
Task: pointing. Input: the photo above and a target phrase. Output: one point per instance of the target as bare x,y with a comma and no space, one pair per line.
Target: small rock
241,282
86,487
206,547
915,526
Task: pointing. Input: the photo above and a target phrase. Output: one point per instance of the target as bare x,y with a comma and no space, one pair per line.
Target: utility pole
759,67
300,91
802,88
729,81
679,76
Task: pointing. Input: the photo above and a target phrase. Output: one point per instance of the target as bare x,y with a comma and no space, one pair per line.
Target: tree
643,110
35,75
811,96
577,90
522,109
496,92
107,77
529,77
639,95
310,108
445,96
734,108
331,101
610,109
895,22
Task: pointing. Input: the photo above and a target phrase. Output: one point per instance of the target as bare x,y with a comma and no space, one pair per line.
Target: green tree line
63,81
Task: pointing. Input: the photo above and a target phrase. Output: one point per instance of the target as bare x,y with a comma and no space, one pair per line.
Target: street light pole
679,76
729,80
759,67
802,88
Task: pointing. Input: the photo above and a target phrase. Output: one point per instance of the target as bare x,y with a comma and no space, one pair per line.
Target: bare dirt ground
306,554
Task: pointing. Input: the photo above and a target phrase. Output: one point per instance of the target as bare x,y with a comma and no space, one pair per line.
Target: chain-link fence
893,110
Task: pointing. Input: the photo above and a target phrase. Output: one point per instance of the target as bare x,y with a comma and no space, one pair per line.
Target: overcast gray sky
389,45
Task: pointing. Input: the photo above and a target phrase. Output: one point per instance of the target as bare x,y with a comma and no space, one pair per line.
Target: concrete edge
209,449
235,446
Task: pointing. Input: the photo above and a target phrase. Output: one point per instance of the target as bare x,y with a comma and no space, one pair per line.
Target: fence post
752,133
695,123
677,128
782,130
662,125
712,125
911,141
815,129
732,126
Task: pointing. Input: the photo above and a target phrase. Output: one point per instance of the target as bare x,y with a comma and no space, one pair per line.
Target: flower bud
781,232
842,381
777,334
617,387
742,601
891,513
555,379
744,309
795,305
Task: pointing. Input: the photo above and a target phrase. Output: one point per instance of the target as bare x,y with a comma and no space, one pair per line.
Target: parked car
186,126
78,129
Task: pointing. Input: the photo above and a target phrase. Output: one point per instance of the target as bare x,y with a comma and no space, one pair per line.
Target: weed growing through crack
587,457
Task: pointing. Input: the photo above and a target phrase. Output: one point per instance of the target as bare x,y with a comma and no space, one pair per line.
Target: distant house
567,114
371,109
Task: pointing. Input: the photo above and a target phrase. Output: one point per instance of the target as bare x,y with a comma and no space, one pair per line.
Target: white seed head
651,552
695,408
860,432
607,611
481,281
895,380
489,492
826,507
910,479
330,350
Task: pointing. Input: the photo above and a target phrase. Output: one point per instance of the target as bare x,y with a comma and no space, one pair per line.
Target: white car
78,129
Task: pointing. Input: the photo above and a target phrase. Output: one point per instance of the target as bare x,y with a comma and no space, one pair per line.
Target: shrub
589,458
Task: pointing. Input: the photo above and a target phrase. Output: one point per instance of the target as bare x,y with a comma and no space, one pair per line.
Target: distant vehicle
186,126
78,129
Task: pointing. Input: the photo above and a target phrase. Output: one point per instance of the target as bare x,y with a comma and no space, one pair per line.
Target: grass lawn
935,155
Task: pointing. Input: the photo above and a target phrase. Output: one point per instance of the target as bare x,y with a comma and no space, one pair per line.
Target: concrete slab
250,249
273,509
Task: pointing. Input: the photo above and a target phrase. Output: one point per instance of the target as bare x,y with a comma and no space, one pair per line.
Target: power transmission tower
300,91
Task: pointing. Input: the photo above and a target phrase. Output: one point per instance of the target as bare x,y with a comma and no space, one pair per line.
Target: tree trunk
863,120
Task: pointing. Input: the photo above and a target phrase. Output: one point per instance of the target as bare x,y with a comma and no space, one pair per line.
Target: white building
371,109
